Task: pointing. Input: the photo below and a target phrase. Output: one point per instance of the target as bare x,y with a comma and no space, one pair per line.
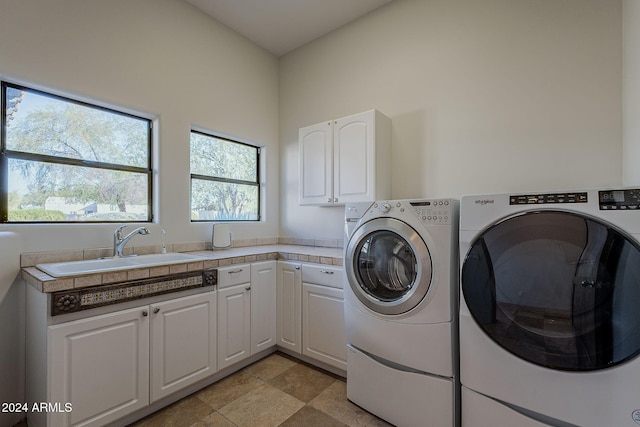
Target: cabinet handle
155,310
326,271
335,200
297,267
329,200
248,288
235,271
145,313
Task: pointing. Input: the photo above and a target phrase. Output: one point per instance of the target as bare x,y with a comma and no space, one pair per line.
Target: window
224,179
64,160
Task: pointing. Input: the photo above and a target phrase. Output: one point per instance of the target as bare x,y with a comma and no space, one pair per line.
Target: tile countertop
210,259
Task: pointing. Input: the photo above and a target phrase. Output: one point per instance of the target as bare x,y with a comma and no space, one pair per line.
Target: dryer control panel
619,199
556,198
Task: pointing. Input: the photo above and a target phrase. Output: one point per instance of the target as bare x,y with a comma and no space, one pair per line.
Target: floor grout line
277,391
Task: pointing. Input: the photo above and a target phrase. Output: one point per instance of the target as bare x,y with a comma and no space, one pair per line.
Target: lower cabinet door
183,343
234,324
289,306
99,368
263,306
323,331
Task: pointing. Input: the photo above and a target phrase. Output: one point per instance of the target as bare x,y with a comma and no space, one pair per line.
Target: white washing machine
550,309
401,310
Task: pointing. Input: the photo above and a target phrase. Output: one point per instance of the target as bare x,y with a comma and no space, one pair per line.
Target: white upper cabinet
316,164
346,160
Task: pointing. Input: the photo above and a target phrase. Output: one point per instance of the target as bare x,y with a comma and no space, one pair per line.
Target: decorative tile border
68,302
100,296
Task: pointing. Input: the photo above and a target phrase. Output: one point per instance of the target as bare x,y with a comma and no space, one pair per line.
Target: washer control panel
433,211
428,211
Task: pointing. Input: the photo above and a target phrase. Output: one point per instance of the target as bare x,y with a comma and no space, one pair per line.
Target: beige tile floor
275,391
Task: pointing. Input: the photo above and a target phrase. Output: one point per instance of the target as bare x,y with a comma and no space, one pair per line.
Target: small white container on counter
221,236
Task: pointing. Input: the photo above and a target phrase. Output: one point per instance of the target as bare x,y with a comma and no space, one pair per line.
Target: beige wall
485,96
631,91
158,57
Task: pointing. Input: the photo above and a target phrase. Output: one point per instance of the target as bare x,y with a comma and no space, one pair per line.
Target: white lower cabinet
111,365
323,330
234,314
100,366
246,311
183,343
311,312
289,306
263,305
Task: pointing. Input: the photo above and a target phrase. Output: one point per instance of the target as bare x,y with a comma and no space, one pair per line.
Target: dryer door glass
557,289
388,266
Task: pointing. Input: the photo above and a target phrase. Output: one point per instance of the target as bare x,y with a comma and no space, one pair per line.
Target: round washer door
557,289
388,266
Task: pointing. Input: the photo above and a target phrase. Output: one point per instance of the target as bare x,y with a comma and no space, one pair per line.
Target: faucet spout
119,242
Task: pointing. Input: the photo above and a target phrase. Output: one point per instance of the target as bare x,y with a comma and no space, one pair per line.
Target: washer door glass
557,289
389,266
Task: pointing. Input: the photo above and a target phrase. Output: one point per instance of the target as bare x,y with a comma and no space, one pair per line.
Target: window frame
6,154
212,178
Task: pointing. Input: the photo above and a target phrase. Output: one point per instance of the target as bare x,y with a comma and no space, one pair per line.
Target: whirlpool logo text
485,202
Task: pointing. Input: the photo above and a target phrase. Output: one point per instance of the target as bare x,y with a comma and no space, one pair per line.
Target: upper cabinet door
316,164
354,158
346,160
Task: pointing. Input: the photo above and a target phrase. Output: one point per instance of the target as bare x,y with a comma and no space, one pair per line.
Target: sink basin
77,268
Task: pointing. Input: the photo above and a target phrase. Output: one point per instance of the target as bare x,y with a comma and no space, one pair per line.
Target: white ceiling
280,26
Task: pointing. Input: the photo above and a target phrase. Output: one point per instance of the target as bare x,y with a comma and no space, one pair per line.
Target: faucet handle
118,231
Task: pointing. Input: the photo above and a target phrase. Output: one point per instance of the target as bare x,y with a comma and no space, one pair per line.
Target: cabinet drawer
322,275
234,275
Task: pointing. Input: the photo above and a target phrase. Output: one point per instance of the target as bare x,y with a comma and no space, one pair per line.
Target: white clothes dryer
549,317
401,310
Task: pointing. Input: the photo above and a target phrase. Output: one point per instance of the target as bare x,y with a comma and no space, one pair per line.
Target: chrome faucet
119,242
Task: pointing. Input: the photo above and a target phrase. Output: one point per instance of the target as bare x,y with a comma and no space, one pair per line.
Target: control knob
385,207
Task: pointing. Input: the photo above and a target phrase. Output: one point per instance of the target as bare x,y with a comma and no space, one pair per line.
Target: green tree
228,160
58,128
14,99
35,215
14,200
